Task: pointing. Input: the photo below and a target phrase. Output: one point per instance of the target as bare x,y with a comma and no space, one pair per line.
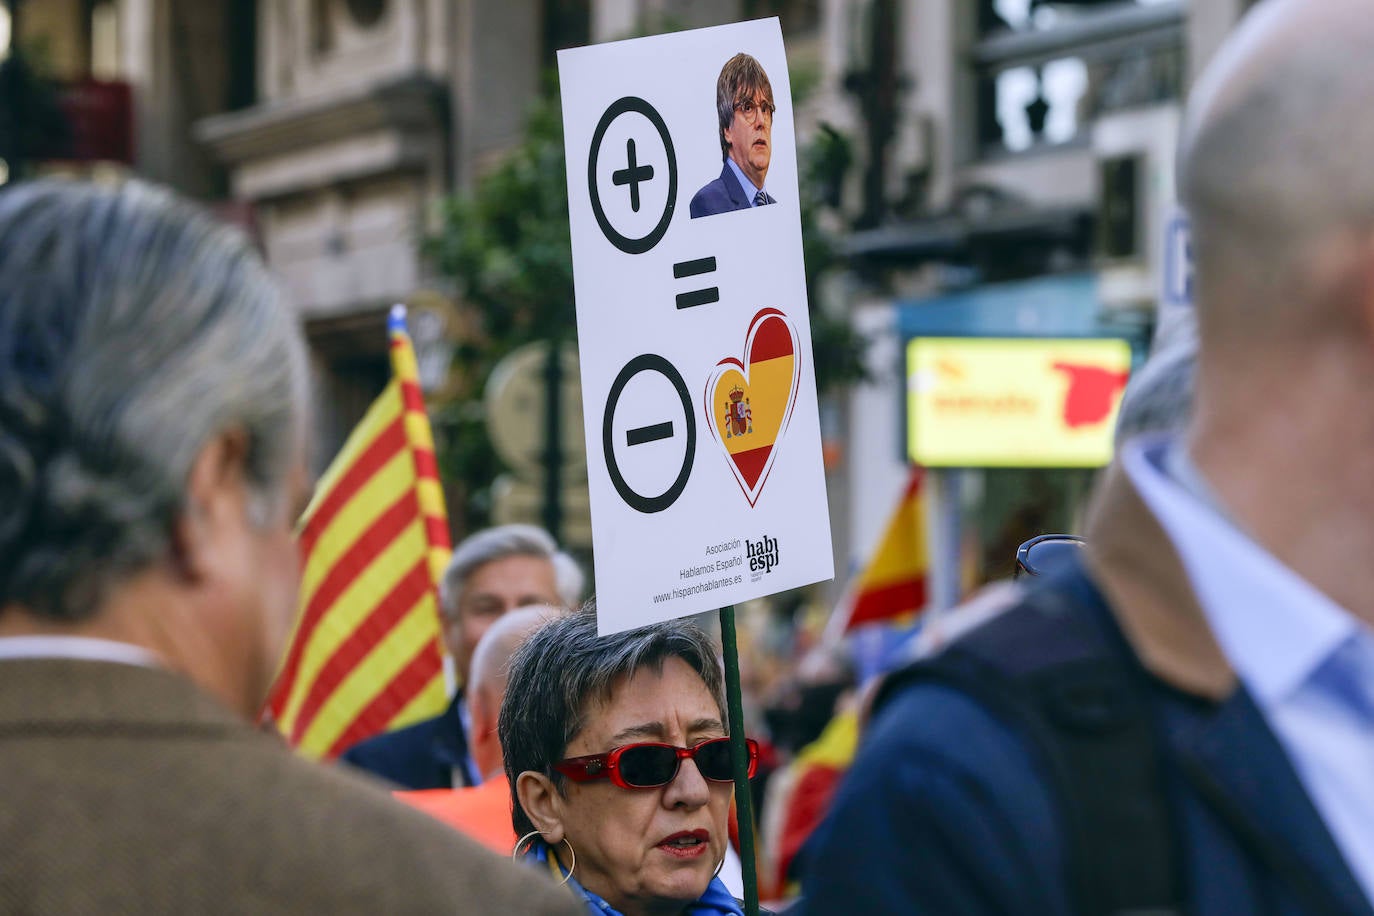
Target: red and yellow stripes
893,584
366,654
768,393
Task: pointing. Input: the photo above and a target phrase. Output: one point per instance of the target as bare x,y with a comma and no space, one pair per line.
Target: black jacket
425,755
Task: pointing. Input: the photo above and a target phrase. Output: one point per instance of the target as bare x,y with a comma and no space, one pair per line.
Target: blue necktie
761,198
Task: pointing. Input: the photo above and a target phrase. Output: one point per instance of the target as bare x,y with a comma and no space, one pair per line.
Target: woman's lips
686,844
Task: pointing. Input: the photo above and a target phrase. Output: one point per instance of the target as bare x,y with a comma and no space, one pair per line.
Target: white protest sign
703,438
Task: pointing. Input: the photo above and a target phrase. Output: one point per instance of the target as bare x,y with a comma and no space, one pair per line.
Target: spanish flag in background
366,655
893,584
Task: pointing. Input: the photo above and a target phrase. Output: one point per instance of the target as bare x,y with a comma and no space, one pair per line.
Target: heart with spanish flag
749,402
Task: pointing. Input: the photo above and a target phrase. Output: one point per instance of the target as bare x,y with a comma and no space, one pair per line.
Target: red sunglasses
649,765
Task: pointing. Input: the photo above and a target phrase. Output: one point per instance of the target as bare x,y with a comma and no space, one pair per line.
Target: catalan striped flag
365,656
893,584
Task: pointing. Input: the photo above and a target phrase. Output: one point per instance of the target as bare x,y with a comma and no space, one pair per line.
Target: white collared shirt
1306,661
745,184
85,648
468,775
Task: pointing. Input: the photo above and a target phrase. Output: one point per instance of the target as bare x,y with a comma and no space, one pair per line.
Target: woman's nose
689,788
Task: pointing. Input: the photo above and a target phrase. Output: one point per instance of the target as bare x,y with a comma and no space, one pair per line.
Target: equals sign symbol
695,269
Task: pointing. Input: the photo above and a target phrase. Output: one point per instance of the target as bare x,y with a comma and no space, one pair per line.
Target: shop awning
1063,305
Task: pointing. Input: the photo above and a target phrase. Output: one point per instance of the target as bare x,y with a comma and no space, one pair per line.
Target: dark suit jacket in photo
720,195
425,755
128,790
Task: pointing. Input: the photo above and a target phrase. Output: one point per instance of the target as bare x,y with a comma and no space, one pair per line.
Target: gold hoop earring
572,853
516,852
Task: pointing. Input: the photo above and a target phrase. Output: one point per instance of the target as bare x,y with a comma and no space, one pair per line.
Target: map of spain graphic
1091,395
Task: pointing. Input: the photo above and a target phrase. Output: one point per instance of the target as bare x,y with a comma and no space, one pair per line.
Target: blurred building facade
996,143
366,112
1026,190
326,128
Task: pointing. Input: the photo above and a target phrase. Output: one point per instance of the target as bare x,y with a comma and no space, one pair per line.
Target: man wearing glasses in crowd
744,105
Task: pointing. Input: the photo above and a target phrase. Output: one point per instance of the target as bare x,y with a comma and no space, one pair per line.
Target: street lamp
433,349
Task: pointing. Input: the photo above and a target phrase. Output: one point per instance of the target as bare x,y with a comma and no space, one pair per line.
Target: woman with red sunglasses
617,753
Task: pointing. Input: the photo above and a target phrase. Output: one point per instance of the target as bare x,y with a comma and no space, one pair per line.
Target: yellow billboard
1013,402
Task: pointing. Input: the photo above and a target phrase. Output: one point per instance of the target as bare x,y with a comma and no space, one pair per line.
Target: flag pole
739,754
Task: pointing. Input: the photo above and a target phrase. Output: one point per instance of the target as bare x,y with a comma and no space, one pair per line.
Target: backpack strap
1057,669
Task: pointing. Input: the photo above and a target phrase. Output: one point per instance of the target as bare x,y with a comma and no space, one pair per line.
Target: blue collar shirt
1306,661
748,186
469,768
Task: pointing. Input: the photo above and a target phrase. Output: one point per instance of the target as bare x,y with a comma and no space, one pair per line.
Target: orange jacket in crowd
482,812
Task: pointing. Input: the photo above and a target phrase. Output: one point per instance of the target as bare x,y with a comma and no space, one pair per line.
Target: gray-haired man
492,572
153,413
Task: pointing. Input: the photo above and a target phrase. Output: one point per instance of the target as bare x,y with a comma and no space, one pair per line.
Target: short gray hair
133,329
565,670
1160,395
508,541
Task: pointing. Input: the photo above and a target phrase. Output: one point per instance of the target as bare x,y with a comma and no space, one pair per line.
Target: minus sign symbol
649,433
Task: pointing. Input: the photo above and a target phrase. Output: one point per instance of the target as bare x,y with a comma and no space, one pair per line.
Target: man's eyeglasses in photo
751,111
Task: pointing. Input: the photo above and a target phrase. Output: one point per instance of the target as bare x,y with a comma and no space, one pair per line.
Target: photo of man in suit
154,433
744,108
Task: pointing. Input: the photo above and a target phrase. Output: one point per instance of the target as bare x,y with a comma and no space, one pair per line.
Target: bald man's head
487,678
492,656
1273,165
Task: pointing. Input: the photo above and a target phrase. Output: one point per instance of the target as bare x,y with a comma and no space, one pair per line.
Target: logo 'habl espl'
762,554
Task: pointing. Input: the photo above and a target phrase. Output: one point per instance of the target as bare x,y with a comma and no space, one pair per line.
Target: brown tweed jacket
127,790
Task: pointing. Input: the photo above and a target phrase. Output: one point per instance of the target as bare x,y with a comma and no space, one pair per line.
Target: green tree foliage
837,347
506,247
506,243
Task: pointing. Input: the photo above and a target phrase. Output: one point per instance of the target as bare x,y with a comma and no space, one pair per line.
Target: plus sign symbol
632,175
